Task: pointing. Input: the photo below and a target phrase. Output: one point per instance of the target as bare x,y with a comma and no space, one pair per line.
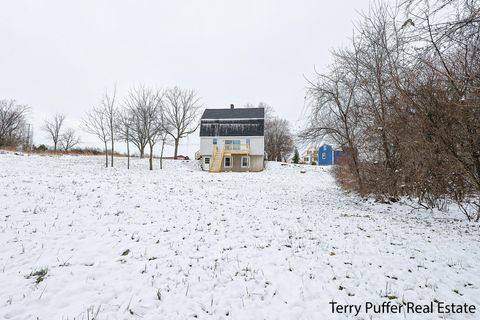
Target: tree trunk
106,155
128,154
356,164
161,154
150,160
142,152
177,141
111,163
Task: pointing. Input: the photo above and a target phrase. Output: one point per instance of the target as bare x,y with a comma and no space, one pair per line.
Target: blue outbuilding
327,156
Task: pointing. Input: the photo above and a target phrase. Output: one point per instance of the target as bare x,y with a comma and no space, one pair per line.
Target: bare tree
137,134
108,104
376,57
123,126
144,104
69,139
12,122
154,130
278,139
164,138
96,122
53,127
334,109
180,112
405,96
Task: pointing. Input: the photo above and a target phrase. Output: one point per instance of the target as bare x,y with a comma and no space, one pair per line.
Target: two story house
232,139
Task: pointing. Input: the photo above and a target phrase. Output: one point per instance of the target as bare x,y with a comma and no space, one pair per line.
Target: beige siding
256,164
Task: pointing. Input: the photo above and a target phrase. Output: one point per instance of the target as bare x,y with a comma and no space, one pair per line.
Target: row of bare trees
404,100
145,117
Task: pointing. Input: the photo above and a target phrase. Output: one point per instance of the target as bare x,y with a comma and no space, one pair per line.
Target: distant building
232,139
327,155
310,155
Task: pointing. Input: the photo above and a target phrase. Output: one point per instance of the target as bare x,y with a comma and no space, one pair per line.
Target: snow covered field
78,241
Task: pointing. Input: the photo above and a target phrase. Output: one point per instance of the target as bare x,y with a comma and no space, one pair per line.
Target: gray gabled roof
240,113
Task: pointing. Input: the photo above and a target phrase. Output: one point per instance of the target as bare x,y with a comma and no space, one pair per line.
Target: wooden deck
226,150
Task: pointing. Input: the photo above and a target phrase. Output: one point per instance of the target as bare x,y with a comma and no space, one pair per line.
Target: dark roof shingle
240,113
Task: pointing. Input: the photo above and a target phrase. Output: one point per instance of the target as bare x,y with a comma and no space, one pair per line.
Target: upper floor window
232,141
232,144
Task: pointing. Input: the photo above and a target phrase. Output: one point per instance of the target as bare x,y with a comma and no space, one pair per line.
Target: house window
306,159
206,160
227,162
245,162
232,144
324,156
247,140
215,140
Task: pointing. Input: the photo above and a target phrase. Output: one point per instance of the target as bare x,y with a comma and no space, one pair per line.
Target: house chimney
232,106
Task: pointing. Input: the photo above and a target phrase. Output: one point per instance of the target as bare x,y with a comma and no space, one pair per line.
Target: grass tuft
38,274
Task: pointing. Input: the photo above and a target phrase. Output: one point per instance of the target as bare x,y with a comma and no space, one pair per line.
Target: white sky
60,56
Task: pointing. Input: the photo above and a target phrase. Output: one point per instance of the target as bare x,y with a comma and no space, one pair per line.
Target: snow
181,243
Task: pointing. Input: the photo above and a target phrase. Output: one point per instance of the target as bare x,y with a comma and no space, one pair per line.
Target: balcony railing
236,148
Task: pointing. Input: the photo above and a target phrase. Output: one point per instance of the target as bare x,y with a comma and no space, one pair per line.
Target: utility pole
29,137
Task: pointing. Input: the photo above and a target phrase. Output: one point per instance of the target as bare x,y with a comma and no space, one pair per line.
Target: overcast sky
60,56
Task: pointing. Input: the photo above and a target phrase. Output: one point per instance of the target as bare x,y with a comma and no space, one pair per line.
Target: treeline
403,99
143,118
